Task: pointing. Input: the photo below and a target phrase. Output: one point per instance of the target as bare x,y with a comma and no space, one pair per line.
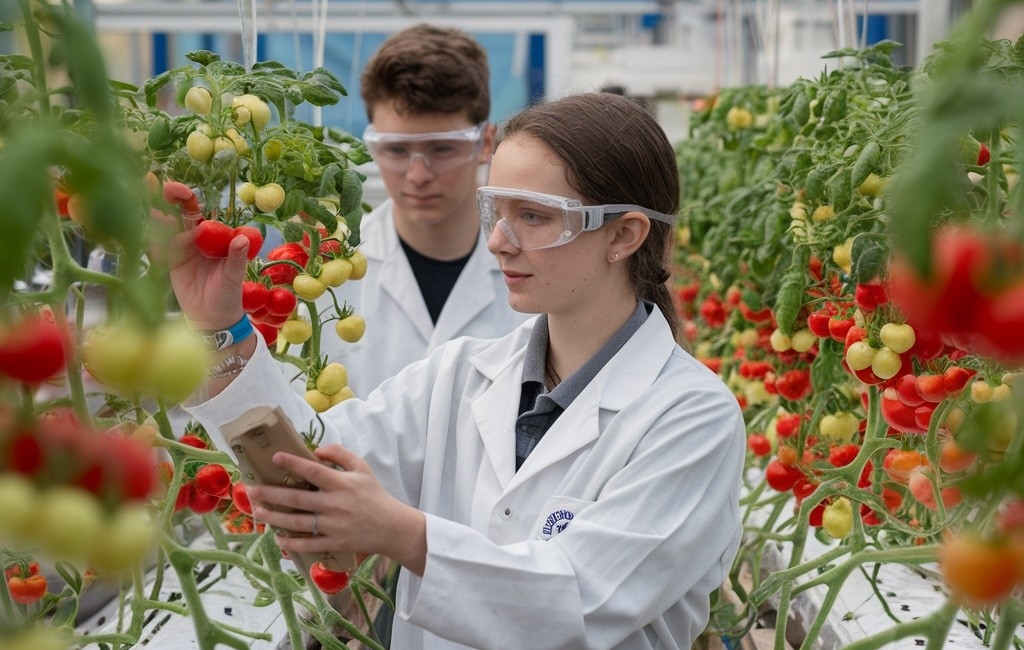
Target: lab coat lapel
397,279
472,294
622,381
495,409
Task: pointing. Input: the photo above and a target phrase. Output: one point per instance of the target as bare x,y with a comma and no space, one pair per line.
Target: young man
430,277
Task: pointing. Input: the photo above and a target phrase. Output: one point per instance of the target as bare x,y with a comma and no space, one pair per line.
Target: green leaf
869,253
153,86
203,57
350,191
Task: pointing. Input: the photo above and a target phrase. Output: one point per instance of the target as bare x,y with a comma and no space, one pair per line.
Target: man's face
438,179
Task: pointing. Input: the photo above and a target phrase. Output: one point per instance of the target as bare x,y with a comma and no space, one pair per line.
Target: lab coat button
507,513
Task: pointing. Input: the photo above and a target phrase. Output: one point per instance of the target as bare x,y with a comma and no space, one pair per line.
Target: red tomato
843,455
898,415
906,391
213,238
838,327
214,480
803,488
955,379
688,292
759,444
255,238
782,477
818,322
26,591
327,581
870,296
713,311
192,441
25,455
788,425
240,497
254,295
268,332
33,349
281,302
930,388
984,155
793,384
200,502
184,496
979,573
898,464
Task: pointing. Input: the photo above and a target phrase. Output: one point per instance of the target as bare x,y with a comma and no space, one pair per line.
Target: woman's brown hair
615,151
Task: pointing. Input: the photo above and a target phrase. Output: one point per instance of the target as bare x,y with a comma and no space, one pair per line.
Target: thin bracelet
228,367
223,339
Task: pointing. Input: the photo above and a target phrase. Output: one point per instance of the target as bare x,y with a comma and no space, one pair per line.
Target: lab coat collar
626,377
474,288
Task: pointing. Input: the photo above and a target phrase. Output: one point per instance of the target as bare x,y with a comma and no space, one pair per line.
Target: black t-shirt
436,278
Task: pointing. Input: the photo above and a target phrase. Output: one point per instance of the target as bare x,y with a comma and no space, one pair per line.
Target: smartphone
255,437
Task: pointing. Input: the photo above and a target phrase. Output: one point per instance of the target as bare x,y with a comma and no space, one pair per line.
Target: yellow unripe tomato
780,341
837,519
839,426
358,262
332,378
199,100
803,340
351,329
859,355
873,185
823,213
269,197
200,146
128,538
842,255
70,523
886,363
296,331
342,395
18,506
241,115
241,144
334,273
981,392
307,287
898,338
318,400
247,193
738,118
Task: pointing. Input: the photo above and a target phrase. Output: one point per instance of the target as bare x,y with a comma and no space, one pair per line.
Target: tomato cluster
78,493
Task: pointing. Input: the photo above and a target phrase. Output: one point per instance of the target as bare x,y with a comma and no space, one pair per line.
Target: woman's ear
627,235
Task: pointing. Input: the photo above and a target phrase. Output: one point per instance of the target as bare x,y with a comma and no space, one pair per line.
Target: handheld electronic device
255,437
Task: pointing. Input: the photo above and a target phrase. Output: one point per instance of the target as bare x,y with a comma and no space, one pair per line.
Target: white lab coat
611,535
398,326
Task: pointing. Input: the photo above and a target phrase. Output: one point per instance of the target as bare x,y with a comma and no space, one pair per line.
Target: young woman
572,485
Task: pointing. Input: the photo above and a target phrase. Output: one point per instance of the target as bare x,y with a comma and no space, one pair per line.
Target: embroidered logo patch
556,523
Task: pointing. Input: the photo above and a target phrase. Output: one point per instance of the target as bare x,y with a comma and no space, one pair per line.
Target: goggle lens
440,152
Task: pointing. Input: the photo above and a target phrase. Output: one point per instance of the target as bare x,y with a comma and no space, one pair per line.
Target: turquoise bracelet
223,339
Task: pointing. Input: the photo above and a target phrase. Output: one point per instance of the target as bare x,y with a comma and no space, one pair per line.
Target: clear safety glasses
532,221
439,151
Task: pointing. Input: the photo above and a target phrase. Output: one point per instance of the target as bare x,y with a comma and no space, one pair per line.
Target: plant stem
925,626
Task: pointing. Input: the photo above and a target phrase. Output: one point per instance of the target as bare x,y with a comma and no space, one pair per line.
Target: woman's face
564,279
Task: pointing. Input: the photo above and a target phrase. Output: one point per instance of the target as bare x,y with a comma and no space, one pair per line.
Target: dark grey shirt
538,409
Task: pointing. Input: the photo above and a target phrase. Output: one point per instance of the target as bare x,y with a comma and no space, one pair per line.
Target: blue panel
160,53
535,76
877,29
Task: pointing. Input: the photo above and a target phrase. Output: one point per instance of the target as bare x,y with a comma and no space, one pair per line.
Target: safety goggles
532,221
439,151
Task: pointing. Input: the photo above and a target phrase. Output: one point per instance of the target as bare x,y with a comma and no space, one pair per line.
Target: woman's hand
208,290
354,513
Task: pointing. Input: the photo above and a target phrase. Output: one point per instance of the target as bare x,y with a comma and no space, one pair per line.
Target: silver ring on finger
316,520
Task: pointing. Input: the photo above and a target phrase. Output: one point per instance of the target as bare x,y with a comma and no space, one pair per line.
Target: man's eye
395,150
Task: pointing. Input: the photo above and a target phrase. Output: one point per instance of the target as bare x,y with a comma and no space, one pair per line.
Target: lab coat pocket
556,515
